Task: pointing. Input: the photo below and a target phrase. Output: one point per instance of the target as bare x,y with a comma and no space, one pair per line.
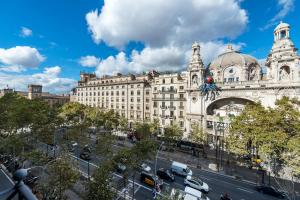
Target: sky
50,42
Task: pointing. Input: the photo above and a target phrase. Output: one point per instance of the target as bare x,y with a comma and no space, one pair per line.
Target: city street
219,184
5,183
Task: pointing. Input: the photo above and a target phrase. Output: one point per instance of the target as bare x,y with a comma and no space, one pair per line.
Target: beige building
128,95
176,98
169,99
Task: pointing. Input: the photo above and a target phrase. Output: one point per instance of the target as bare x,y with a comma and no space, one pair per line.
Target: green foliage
272,133
101,185
143,130
172,133
123,123
61,177
197,134
36,157
104,145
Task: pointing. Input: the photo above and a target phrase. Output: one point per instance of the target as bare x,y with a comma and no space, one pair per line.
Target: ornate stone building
177,97
241,80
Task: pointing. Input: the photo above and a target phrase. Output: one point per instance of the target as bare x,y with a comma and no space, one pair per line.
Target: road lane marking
8,177
245,190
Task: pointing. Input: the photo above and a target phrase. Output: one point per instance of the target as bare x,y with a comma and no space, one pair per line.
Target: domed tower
195,68
233,66
283,62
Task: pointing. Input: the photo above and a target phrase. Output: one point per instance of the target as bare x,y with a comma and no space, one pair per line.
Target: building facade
36,92
176,98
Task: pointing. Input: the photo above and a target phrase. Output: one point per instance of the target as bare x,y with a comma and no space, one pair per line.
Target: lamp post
155,166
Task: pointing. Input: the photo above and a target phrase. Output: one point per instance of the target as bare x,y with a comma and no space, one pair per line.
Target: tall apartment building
128,95
169,99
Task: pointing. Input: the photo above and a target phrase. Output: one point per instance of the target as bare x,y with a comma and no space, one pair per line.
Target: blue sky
128,35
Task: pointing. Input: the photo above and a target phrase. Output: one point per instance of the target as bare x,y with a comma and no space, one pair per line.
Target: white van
195,193
181,169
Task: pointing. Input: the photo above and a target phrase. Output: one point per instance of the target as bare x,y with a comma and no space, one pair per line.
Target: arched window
284,73
194,79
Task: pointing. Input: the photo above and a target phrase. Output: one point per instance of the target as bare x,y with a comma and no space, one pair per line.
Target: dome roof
282,25
230,58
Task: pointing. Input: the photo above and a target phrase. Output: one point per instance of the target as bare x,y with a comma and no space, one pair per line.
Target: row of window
164,113
107,87
165,96
171,88
163,104
138,92
138,99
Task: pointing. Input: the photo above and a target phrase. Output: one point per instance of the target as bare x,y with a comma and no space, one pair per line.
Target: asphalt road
218,183
5,183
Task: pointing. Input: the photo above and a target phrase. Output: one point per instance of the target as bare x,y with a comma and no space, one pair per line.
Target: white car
193,194
196,183
145,167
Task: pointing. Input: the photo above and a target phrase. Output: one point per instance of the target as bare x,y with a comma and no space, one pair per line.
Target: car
87,148
181,169
151,180
192,193
165,174
120,168
196,183
145,167
270,191
72,146
85,155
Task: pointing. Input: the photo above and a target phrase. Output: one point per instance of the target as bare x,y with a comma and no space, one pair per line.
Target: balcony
181,107
180,117
168,91
163,107
172,107
172,117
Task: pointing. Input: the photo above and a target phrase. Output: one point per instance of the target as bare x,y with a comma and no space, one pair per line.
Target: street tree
74,115
142,130
123,123
172,133
155,126
61,176
104,145
101,186
199,137
270,133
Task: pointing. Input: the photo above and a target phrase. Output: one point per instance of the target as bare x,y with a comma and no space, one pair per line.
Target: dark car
270,191
151,180
165,174
85,155
120,168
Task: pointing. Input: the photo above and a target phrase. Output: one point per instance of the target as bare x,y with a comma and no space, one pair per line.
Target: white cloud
159,23
89,61
166,28
12,68
285,6
23,56
161,59
25,32
49,78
